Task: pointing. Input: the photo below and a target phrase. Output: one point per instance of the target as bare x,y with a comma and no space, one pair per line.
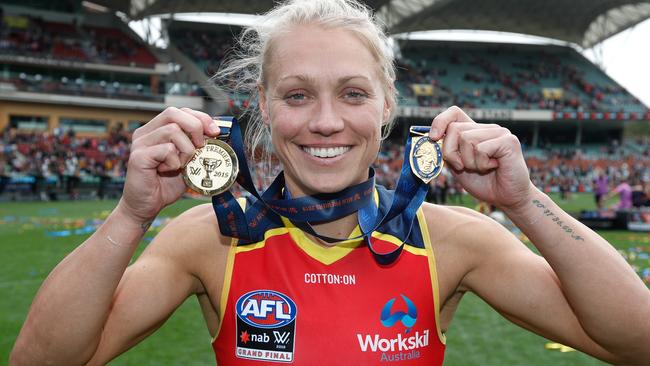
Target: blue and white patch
266,324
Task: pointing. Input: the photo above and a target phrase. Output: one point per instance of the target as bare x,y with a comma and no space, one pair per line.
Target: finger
451,147
153,157
210,127
172,163
498,150
441,121
188,123
469,139
167,156
484,162
169,133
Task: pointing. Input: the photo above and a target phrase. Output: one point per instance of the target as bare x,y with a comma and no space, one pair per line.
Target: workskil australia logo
266,326
403,345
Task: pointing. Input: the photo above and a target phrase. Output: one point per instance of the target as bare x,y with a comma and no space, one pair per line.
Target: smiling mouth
326,152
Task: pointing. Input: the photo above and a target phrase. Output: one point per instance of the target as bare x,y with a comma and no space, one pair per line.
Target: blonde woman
324,76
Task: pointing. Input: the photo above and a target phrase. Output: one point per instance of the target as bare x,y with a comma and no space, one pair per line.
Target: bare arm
518,283
78,294
607,296
582,292
184,259
66,322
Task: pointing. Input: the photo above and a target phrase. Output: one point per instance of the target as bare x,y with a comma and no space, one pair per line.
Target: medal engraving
426,158
213,169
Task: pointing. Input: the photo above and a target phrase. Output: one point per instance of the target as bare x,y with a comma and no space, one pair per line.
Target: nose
327,120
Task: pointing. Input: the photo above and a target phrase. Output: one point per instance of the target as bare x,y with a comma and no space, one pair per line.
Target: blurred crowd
26,35
59,164
615,170
204,47
520,85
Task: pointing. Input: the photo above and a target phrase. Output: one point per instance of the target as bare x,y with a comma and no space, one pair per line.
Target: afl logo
266,309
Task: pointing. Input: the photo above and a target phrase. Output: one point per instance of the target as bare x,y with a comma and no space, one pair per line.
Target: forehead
319,52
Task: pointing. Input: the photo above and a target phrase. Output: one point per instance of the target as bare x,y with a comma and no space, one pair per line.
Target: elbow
23,356
29,352
635,354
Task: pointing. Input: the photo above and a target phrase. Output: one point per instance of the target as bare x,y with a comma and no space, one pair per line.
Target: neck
340,228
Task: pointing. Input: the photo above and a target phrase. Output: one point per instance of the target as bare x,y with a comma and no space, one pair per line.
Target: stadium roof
583,22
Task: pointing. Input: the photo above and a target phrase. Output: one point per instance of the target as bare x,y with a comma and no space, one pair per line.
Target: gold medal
425,157
213,168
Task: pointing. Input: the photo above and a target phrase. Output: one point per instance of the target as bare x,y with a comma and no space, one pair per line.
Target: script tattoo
548,213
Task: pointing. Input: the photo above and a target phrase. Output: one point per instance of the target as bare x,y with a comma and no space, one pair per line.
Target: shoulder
458,225
464,240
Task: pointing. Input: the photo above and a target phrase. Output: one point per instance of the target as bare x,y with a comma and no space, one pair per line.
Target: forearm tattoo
548,213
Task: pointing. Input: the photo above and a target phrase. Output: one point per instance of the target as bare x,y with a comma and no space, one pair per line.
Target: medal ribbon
275,202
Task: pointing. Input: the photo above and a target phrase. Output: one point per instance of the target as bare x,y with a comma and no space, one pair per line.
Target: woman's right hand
159,151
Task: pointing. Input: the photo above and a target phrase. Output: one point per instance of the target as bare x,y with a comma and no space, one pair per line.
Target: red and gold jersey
287,299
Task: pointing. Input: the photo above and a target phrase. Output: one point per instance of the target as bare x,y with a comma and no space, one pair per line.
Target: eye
296,97
355,95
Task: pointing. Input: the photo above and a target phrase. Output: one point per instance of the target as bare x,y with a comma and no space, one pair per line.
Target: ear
386,112
387,105
261,97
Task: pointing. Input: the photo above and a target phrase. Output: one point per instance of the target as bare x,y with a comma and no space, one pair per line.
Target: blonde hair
245,68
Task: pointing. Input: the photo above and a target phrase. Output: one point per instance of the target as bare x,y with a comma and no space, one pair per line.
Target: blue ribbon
269,206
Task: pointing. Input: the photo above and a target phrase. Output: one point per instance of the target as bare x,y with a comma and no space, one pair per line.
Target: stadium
77,80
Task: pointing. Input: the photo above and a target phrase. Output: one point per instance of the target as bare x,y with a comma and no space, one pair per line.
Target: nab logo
408,319
266,309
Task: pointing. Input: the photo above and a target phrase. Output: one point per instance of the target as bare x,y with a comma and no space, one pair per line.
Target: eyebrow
312,80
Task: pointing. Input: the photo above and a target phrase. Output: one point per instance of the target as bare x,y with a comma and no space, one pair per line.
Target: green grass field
478,335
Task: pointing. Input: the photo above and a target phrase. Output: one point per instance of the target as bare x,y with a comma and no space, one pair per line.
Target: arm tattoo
548,213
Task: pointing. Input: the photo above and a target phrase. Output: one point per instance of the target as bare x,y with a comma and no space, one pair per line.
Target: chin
330,183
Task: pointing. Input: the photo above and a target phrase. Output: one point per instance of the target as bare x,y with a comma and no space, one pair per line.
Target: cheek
284,122
369,121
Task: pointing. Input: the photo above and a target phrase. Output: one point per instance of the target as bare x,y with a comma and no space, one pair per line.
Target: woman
325,82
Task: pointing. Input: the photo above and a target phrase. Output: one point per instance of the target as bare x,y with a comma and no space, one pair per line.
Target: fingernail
433,133
213,128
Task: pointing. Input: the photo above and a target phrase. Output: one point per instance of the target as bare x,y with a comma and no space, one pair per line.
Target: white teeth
326,152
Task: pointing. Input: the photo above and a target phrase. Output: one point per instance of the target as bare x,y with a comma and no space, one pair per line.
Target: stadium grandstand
76,80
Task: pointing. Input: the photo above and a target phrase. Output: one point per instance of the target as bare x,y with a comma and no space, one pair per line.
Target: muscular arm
92,308
610,301
523,287
88,308
581,292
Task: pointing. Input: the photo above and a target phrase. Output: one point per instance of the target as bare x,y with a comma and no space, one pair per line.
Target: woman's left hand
485,158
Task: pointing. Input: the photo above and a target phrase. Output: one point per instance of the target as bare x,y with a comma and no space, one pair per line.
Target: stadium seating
25,35
510,77
472,76
205,47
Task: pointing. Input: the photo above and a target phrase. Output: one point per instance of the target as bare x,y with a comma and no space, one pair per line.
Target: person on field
324,79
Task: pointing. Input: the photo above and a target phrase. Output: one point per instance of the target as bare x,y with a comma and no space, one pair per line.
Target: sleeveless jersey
286,299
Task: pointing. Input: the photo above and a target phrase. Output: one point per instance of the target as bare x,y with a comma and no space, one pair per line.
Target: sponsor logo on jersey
266,323
396,346
408,319
330,279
